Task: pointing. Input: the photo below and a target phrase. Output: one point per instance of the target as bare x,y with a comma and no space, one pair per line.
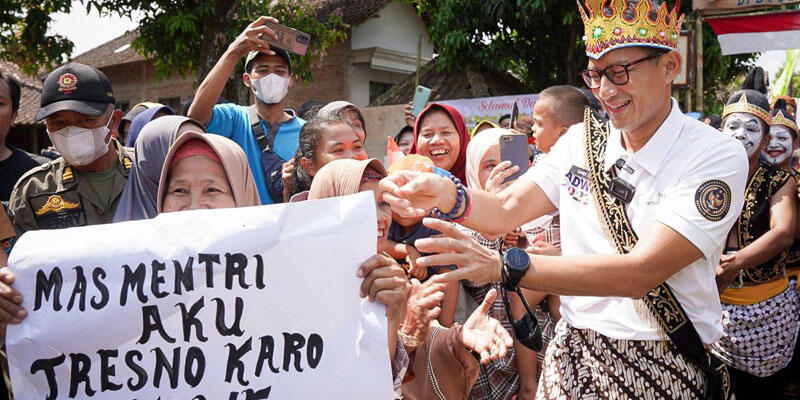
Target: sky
83,30
89,31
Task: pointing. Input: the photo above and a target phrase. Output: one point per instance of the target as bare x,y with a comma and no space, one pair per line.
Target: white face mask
779,148
81,146
746,128
270,89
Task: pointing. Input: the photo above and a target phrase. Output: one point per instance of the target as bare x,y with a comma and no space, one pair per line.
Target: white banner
236,304
491,108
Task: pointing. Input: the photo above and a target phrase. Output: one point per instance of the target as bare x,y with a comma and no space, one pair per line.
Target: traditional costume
782,120
758,308
784,130
686,177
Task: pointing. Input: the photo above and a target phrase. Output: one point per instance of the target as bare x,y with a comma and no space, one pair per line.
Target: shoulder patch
42,169
713,199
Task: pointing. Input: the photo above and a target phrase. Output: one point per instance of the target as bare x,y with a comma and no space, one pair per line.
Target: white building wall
360,77
396,27
394,33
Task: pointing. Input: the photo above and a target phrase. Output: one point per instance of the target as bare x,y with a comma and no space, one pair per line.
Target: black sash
661,301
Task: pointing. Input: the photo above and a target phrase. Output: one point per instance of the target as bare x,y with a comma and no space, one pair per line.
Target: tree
199,31
181,36
23,33
535,39
541,41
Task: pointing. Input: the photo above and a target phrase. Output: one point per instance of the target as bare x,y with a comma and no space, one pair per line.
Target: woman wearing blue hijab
139,198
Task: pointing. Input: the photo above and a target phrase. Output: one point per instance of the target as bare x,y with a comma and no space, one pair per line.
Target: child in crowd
404,232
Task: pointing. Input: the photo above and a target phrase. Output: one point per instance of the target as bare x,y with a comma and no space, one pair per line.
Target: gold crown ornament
743,106
780,119
615,24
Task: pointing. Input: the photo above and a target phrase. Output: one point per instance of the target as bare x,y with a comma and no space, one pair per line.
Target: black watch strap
511,276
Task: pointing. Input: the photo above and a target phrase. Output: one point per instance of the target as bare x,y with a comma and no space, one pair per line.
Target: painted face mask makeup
81,146
270,89
779,148
746,128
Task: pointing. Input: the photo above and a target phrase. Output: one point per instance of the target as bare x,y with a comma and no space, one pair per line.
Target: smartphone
514,116
421,96
514,148
289,39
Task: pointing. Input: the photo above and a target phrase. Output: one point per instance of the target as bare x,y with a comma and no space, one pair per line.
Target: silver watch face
517,259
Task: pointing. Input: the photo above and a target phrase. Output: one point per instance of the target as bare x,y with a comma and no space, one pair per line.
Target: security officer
83,186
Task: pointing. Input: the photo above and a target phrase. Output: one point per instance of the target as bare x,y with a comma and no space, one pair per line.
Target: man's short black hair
568,104
502,117
309,109
13,91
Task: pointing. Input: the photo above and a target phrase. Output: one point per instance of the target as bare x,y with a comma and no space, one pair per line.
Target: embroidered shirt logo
67,83
55,204
713,200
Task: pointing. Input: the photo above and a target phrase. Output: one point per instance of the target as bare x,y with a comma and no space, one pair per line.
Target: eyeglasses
616,74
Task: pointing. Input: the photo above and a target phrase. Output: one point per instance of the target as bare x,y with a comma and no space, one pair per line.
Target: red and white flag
757,33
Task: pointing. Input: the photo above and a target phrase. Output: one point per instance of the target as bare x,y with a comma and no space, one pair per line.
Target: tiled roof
118,51
115,52
353,12
466,84
31,92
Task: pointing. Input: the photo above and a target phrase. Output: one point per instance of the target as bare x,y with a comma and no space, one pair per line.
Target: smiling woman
205,171
442,136
322,140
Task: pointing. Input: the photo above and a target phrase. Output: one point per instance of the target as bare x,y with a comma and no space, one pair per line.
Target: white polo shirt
680,177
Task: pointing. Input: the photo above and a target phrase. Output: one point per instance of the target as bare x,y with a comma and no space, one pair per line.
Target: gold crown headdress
614,24
780,119
744,107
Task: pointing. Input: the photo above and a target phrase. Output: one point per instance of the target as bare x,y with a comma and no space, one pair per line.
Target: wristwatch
515,264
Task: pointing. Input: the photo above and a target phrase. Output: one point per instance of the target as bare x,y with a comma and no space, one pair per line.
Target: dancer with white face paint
747,128
779,146
758,307
783,132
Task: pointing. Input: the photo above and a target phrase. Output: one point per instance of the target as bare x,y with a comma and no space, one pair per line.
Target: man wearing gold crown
646,203
758,307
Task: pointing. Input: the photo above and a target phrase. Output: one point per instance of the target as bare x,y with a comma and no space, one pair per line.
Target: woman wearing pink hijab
205,171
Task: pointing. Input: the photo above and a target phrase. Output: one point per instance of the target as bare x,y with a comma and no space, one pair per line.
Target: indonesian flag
757,33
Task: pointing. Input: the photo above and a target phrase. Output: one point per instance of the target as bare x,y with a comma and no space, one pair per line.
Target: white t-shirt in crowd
680,177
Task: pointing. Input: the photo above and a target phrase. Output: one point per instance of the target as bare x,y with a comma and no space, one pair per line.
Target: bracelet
409,342
461,193
467,210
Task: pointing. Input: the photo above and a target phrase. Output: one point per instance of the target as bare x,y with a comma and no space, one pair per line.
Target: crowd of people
644,254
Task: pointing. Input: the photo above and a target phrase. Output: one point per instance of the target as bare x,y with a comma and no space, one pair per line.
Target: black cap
75,87
278,52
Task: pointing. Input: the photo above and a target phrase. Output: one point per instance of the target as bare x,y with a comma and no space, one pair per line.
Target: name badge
576,184
58,210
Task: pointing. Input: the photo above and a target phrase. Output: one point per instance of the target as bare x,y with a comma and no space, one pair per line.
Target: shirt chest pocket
645,204
58,210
